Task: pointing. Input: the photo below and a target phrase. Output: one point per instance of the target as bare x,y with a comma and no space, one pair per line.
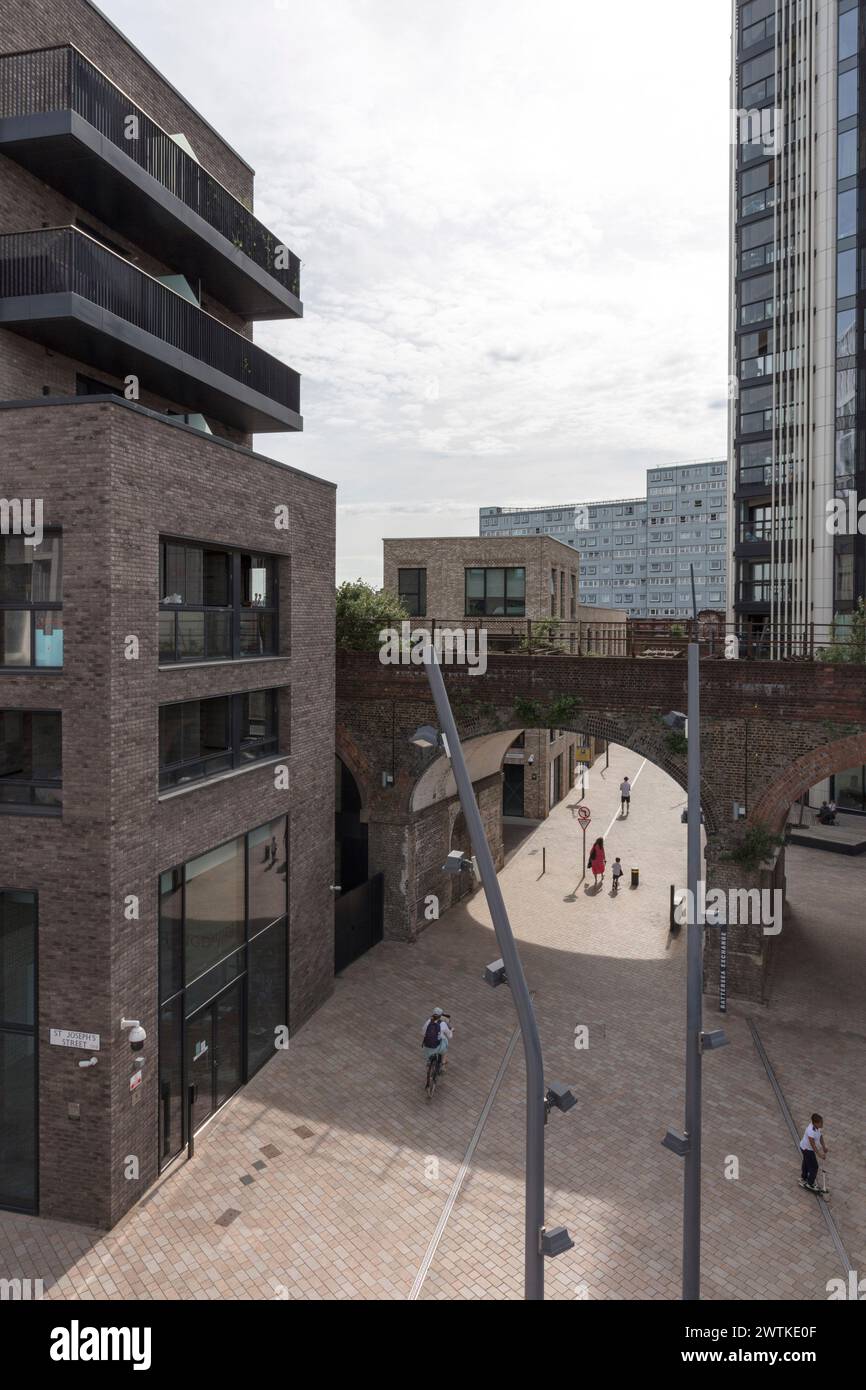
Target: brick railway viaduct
770,730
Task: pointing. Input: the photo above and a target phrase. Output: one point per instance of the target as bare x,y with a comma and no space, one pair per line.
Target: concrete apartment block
636,553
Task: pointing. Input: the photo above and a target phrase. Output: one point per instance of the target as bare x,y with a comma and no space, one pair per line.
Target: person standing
616,870
596,862
625,796
812,1147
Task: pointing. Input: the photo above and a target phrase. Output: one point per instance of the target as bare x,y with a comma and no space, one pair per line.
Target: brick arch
348,751
644,735
772,807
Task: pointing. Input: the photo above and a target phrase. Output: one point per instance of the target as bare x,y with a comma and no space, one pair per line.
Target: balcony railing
765,591
62,79
66,261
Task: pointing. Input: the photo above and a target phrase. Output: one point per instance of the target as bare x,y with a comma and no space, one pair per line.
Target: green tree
754,847
362,612
847,637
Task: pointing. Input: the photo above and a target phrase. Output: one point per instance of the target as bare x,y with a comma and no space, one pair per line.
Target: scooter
820,1190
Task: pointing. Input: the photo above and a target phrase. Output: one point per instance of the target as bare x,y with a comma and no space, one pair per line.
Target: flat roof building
636,552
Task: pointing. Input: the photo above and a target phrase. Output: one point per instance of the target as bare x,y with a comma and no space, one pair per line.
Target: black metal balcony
65,121
62,288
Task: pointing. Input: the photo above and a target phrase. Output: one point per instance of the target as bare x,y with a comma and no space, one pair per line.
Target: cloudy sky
512,216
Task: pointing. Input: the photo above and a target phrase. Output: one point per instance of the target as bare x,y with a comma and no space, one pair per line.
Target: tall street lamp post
538,1240
688,1145
694,996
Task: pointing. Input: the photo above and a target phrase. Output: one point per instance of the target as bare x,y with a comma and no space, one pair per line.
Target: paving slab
362,1172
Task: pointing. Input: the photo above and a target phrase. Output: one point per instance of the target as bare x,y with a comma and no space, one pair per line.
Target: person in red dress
596,862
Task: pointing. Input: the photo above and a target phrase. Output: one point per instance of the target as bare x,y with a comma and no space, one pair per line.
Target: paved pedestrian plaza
330,1176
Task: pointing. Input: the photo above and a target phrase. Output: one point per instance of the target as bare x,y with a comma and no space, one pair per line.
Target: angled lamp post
538,1240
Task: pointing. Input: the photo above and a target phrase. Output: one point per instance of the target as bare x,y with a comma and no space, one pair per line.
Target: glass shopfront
223,974
848,789
18,1125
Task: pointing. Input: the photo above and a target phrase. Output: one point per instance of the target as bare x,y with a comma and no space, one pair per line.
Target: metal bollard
635,877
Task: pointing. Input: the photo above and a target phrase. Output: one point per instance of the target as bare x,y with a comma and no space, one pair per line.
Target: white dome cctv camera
137,1034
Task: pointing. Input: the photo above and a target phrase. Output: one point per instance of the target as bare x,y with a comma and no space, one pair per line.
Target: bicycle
434,1071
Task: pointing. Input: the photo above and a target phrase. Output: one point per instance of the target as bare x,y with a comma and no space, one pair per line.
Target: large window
18,1050
756,244
199,738
412,591
496,592
847,94
847,35
849,789
215,604
846,332
223,965
31,597
847,154
846,274
30,762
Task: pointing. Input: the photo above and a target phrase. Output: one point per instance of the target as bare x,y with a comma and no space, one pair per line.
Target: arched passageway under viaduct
769,730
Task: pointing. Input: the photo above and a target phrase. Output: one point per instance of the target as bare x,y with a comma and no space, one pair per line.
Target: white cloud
513,223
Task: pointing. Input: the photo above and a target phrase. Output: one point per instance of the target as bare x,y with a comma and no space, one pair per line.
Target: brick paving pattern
348,1169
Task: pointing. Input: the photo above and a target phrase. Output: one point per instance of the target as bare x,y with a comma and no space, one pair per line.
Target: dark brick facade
115,476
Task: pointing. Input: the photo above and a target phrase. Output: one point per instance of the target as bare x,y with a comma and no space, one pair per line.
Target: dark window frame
237,748
29,1031
236,609
413,597
32,784
178,996
485,612
33,606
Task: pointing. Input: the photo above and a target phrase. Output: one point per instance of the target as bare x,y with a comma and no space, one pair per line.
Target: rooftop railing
839,642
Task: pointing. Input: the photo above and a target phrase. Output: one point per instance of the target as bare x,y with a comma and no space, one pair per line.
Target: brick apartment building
166,644
503,582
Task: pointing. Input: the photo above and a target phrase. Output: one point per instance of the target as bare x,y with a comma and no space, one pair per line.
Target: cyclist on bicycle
437,1035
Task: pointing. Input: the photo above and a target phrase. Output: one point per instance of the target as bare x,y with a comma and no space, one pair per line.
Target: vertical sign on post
723,969
584,817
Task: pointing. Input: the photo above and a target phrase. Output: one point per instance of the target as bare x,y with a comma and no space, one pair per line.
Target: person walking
625,796
812,1147
616,871
596,862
